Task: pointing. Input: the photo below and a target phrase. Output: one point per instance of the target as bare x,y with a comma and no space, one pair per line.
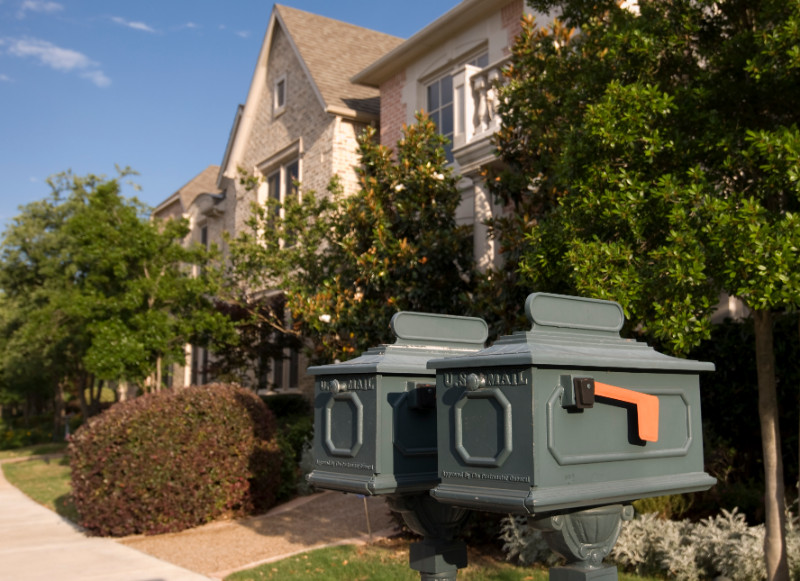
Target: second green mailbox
375,415
567,415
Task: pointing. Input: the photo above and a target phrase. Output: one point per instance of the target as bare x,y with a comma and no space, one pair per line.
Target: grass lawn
45,481
386,560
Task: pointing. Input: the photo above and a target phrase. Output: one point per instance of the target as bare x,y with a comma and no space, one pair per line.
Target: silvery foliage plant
723,546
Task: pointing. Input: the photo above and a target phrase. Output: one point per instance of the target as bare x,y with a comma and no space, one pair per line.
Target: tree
654,159
347,263
97,291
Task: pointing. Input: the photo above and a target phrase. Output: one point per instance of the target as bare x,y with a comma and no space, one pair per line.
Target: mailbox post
375,430
566,423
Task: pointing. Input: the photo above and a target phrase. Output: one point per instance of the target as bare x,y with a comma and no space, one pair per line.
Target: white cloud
134,25
243,34
98,77
41,6
5,79
60,59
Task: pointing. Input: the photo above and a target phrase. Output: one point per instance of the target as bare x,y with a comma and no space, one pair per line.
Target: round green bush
169,461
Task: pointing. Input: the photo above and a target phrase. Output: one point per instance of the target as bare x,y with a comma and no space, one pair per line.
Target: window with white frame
281,186
440,102
279,96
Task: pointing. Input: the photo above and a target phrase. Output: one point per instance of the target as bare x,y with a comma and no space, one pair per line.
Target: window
281,186
440,103
286,370
279,96
440,108
199,365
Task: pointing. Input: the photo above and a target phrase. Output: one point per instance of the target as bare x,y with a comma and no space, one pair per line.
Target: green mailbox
375,417
566,416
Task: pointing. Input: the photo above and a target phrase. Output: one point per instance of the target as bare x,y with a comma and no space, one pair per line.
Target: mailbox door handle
646,407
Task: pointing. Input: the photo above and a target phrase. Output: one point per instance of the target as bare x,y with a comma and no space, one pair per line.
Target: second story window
440,108
440,102
281,186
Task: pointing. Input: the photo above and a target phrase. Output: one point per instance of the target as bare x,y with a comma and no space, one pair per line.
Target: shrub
168,461
19,433
287,405
721,546
296,429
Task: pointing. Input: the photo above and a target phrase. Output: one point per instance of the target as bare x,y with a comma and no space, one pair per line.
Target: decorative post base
435,559
584,538
438,557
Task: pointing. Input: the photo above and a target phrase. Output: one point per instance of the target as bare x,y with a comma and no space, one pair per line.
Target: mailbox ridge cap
415,328
420,337
565,312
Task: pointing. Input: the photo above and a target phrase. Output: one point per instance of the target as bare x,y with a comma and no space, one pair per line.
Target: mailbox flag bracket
646,407
580,394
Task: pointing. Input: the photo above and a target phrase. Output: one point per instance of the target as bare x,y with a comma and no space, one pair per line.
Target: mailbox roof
572,332
420,337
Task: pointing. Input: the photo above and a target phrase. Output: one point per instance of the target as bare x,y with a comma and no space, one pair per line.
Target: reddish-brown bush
169,461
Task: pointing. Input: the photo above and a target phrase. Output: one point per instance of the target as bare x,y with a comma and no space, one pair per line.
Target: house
449,70
201,202
300,123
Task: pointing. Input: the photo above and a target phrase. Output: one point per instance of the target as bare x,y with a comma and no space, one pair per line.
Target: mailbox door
374,434
598,452
407,434
486,445
346,420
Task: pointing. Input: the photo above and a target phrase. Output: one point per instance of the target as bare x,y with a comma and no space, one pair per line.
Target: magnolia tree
346,264
653,158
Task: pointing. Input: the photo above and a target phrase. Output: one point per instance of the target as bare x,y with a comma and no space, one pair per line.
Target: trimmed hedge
169,461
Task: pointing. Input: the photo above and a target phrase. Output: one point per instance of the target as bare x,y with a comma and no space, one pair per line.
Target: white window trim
278,164
449,69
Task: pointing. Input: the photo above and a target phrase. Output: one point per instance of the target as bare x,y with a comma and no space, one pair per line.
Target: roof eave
348,113
459,17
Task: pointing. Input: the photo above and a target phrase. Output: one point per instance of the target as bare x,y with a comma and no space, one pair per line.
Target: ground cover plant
169,461
722,546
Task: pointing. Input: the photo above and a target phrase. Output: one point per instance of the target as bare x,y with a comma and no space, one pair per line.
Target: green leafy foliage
654,156
168,461
348,263
94,290
638,177
293,414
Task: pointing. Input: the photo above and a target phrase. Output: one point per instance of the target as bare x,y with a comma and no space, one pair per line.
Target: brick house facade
448,70
300,123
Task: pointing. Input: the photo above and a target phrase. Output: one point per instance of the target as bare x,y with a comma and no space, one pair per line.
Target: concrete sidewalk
38,545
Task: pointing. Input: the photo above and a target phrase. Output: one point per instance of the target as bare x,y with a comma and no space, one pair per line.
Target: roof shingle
334,52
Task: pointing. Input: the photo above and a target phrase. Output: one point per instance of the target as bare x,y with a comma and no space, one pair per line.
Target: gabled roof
330,53
334,51
203,183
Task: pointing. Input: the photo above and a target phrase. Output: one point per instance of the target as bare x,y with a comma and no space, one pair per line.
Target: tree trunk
79,384
774,501
58,412
158,373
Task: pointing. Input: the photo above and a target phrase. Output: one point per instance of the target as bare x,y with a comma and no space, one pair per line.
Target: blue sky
154,85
